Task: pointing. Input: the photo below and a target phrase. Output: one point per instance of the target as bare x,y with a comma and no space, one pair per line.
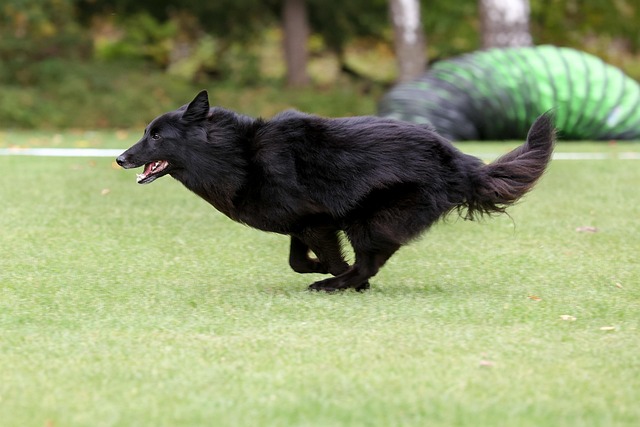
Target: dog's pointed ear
198,109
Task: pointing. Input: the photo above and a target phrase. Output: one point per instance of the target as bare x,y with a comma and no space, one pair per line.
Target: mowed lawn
129,305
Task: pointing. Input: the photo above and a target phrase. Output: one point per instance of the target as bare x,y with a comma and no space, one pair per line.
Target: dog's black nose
121,160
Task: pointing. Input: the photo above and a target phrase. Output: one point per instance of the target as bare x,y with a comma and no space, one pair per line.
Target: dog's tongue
145,173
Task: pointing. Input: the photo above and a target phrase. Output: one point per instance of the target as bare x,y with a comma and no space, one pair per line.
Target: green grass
128,305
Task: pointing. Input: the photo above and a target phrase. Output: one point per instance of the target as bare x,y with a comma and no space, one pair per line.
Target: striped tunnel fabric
498,93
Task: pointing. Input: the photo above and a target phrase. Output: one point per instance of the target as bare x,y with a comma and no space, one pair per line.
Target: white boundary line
61,152
115,152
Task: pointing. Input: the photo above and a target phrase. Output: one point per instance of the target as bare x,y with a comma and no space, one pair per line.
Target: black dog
381,181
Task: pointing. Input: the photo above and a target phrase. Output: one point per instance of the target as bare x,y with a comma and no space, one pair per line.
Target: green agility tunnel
498,93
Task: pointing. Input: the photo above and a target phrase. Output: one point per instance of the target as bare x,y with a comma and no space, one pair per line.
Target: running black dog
381,181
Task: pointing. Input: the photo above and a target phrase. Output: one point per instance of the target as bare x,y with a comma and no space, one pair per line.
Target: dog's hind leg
357,276
372,250
325,244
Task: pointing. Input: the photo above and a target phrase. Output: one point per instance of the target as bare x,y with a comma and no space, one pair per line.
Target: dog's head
162,147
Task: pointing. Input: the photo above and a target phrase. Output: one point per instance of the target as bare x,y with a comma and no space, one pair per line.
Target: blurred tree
194,39
409,38
505,23
35,30
229,19
295,25
197,39
452,27
340,22
595,24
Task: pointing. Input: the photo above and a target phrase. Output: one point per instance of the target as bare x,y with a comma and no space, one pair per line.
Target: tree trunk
296,33
505,23
409,38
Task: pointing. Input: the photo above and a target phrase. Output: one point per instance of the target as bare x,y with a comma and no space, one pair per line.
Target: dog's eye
155,136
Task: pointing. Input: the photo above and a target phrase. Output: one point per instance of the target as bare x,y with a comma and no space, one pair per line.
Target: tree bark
505,23
409,39
296,34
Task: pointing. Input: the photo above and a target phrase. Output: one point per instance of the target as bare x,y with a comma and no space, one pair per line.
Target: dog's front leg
325,244
373,246
299,258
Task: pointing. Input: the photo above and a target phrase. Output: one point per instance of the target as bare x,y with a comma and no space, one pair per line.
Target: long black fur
380,181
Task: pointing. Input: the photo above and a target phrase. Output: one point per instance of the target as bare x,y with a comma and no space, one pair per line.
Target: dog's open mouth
152,171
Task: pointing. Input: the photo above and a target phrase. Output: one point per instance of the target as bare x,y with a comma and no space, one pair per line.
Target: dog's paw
331,286
320,287
363,287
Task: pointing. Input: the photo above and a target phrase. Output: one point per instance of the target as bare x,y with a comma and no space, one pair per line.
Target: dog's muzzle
124,163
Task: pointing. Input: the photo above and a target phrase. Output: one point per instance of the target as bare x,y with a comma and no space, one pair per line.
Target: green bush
32,31
108,94
145,38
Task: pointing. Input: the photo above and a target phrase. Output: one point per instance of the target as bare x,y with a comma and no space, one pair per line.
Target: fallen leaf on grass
534,298
83,143
608,328
587,229
487,364
619,286
568,317
105,191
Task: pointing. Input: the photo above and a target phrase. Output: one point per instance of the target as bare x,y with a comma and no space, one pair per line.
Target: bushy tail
498,185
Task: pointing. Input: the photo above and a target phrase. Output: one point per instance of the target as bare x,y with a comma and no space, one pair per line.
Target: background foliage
123,57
